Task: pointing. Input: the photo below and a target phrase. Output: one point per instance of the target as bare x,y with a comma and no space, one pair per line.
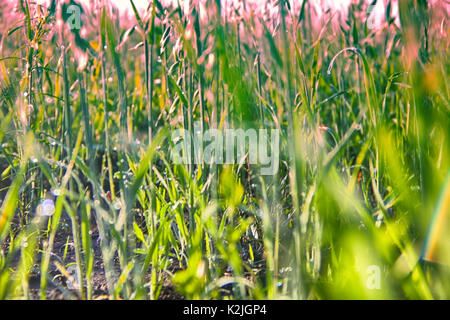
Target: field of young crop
224,150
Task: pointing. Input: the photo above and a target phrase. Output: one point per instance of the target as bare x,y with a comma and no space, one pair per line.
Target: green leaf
138,232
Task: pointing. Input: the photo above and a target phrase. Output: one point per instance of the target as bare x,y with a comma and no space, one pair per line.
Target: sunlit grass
357,210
